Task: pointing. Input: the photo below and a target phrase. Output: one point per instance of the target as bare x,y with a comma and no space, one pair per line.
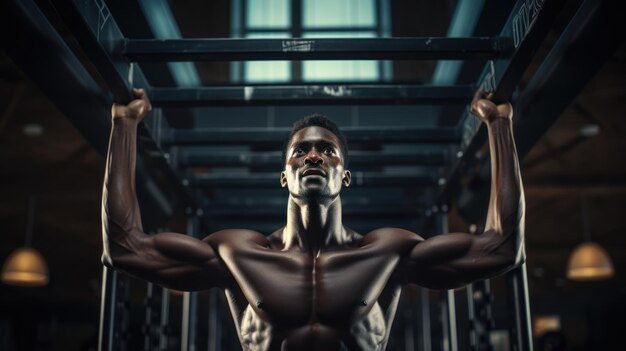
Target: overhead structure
213,167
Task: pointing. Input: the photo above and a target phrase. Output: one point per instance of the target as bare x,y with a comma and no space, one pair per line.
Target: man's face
314,164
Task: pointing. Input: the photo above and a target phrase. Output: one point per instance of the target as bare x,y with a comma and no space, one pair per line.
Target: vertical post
426,345
520,333
479,308
448,318
113,312
450,342
215,330
154,328
188,329
165,314
106,339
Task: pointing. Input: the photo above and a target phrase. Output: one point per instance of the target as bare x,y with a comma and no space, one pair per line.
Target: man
313,284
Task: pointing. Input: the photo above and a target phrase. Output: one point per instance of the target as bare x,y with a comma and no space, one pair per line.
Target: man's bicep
173,260
456,259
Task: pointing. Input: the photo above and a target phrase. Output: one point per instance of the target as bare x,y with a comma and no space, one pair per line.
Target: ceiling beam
188,157
362,94
427,48
276,136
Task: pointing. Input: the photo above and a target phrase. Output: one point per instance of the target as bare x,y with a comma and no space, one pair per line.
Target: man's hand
486,110
136,109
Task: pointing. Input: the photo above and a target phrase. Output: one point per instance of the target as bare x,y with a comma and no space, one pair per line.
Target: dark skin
313,284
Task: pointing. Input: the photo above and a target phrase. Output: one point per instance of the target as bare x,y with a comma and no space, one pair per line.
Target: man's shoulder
395,238
236,236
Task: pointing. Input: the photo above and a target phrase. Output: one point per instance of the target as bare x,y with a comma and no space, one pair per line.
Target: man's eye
298,151
329,151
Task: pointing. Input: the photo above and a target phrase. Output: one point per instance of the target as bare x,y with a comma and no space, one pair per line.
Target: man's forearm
120,209
506,206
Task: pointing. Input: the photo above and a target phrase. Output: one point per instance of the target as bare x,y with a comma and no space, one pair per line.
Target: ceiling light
25,266
589,261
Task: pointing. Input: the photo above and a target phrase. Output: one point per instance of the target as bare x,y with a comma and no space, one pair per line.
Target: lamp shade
589,261
25,267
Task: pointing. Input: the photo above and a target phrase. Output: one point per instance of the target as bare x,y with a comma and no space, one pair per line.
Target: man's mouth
314,172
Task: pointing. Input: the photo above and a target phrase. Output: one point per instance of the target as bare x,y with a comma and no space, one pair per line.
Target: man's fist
136,109
486,110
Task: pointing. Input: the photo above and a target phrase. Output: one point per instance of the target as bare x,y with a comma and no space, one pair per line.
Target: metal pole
190,299
521,335
450,342
165,309
425,314
215,330
479,310
106,340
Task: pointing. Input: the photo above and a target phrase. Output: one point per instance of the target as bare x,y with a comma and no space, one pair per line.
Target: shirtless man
314,284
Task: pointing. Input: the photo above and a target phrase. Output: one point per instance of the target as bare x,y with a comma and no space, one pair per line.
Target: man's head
317,120
315,156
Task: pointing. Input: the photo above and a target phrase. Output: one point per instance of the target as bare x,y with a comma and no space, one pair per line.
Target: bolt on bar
426,48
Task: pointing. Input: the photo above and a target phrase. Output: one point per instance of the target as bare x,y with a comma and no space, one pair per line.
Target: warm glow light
544,324
589,261
25,267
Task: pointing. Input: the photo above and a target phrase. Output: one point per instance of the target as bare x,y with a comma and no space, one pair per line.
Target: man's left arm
456,259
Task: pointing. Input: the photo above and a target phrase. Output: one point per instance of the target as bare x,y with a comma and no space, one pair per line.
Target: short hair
322,121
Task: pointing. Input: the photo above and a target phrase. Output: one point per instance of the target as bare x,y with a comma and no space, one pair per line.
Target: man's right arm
170,259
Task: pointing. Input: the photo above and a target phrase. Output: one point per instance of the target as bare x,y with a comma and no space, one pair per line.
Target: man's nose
313,157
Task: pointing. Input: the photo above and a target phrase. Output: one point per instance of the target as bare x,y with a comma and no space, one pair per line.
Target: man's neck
313,226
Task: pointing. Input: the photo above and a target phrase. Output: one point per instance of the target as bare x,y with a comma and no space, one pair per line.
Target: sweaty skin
313,284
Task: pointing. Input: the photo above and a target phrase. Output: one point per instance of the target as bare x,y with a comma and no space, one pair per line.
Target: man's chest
294,288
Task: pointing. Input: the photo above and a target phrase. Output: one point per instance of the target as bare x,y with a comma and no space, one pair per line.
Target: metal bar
567,69
427,48
271,179
450,342
528,24
521,332
106,332
480,317
276,136
186,157
190,301
92,24
165,316
312,94
215,327
425,344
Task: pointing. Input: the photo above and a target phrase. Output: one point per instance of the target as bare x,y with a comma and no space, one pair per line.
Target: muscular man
313,284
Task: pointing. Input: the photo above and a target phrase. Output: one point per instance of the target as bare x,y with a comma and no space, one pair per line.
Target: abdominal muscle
366,334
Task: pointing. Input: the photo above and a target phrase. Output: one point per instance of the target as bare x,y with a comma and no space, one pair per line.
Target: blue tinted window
340,70
268,13
267,71
339,13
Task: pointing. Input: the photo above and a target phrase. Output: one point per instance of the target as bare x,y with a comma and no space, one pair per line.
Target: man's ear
283,179
347,176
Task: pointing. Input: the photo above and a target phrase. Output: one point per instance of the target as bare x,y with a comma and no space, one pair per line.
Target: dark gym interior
209,154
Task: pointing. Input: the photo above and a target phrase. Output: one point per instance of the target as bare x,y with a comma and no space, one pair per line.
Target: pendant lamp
25,266
589,261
